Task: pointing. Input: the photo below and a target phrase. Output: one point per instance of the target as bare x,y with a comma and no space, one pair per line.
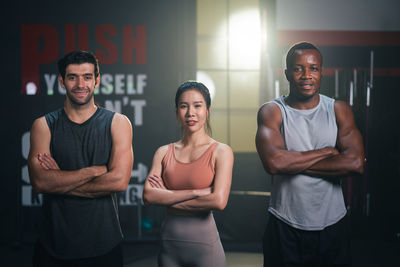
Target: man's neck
303,104
79,113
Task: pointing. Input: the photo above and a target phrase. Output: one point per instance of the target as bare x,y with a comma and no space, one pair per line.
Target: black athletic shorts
285,246
41,258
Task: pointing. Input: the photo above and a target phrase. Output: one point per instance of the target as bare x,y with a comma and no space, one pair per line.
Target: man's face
79,83
304,75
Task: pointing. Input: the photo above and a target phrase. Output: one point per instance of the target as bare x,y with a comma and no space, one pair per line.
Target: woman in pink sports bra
191,177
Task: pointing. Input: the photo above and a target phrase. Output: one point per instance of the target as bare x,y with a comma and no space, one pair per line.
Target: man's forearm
292,162
338,165
60,181
105,184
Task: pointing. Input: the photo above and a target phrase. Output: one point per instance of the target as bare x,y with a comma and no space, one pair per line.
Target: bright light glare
31,88
205,79
245,39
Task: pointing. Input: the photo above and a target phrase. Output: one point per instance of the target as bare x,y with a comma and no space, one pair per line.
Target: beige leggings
190,241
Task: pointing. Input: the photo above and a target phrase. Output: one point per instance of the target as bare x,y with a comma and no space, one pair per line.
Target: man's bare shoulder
121,130
269,111
342,110
121,119
340,105
39,124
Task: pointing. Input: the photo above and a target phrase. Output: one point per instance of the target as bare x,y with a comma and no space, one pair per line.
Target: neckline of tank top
202,155
83,123
305,111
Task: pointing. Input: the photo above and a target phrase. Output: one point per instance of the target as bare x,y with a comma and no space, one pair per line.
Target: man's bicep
269,136
39,144
39,141
349,137
121,152
40,137
350,141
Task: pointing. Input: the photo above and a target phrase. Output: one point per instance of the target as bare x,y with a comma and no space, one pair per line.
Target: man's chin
80,102
309,92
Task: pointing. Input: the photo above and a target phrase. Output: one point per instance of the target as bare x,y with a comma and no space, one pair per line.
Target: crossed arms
214,198
346,158
93,181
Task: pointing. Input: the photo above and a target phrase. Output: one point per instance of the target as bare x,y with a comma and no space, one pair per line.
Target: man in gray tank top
80,156
307,141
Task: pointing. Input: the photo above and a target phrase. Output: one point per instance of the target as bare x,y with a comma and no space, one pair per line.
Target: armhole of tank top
332,108
212,157
281,108
51,118
111,119
167,156
46,117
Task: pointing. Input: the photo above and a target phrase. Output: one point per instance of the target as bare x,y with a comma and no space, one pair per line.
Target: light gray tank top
302,201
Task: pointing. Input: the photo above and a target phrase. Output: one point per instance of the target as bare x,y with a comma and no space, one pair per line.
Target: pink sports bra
194,175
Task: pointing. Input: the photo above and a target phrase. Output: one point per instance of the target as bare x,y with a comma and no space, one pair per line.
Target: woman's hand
203,192
156,181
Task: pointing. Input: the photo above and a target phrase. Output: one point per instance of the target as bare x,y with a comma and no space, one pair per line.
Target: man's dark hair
299,46
77,57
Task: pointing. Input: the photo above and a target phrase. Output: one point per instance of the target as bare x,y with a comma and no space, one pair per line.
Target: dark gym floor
367,252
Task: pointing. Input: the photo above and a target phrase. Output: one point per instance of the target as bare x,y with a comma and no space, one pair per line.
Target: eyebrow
183,102
85,74
303,65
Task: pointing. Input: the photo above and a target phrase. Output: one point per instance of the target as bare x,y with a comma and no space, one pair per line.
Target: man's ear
61,81
288,77
96,85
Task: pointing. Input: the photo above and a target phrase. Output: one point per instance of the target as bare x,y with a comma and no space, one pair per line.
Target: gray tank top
302,201
77,227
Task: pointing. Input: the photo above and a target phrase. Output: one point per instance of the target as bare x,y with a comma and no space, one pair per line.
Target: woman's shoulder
222,149
162,151
223,154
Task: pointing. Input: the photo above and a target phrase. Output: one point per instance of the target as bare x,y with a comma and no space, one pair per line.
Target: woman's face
192,111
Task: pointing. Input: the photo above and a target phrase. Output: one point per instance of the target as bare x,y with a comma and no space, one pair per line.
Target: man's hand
47,161
332,150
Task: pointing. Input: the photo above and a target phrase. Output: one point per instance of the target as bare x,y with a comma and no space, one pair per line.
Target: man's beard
74,101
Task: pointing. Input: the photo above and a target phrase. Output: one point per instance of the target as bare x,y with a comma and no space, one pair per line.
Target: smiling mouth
80,92
191,123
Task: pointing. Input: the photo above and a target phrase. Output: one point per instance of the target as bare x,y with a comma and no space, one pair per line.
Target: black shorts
41,258
286,246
